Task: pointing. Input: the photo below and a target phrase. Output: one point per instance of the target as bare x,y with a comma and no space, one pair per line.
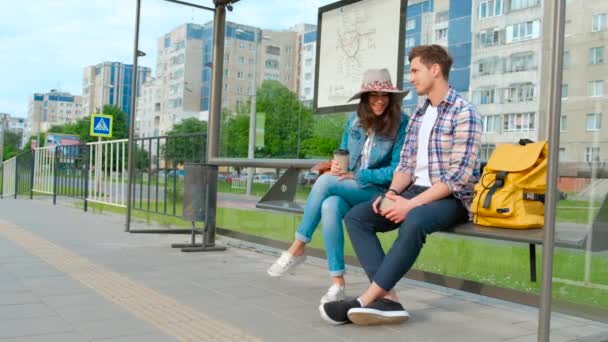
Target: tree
327,135
288,122
187,141
11,144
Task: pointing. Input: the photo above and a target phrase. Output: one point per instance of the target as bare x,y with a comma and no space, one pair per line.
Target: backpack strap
530,196
499,182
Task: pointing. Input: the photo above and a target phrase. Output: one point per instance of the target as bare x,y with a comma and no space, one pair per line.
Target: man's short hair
433,54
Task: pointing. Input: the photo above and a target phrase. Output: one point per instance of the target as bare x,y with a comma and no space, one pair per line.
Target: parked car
307,177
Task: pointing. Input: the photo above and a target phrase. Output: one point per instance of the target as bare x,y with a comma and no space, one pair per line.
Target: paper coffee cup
341,157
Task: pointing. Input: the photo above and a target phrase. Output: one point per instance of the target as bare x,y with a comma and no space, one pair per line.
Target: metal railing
71,171
44,170
107,176
9,178
158,184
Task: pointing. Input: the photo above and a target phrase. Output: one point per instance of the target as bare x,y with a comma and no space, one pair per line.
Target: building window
485,96
520,92
241,60
594,121
442,16
563,124
272,64
409,42
566,59
519,122
441,34
596,88
250,76
227,43
489,38
522,62
564,91
251,61
273,50
240,75
410,24
521,4
307,91
308,62
241,45
599,22
489,66
490,8
486,151
592,154
308,76
596,55
491,123
288,50
226,72
562,153
523,31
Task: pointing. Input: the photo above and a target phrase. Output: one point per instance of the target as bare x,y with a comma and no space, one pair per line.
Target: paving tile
139,338
20,311
33,326
60,337
114,328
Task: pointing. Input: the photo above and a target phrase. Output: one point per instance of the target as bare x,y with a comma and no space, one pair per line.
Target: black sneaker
336,313
382,311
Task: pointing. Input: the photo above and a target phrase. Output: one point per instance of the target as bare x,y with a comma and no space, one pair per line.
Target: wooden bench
282,194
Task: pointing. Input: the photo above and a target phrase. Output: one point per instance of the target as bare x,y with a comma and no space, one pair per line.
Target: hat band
378,85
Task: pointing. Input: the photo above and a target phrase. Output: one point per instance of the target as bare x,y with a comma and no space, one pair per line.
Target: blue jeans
386,270
328,203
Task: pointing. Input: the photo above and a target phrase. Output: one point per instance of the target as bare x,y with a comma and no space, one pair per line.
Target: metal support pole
17,177
87,150
55,169
252,122
131,149
556,17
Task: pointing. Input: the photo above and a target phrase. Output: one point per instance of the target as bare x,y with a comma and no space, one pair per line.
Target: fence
71,171
9,177
158,184
107,176
44,170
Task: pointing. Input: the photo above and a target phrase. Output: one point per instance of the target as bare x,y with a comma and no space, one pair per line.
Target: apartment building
52,108
506,71
109,83
584,126
306,63
443,22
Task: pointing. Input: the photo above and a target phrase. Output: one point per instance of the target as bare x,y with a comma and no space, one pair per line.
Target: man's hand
398,212
376,205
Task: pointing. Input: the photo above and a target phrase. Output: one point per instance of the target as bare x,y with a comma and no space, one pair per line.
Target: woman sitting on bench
373,138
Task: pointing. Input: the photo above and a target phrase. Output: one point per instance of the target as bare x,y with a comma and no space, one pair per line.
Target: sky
45,44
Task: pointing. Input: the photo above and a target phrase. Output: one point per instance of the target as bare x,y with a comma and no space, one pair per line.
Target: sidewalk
66,275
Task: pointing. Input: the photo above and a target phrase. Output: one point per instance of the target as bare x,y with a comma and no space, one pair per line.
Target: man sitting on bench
430,191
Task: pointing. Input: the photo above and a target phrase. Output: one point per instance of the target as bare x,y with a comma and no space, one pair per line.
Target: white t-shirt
421,173
367,149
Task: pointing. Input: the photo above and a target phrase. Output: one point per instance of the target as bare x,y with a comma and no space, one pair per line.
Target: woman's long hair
386,124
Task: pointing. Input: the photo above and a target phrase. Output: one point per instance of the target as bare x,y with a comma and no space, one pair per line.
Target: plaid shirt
453,146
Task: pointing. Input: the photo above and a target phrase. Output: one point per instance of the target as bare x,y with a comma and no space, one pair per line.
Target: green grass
482,260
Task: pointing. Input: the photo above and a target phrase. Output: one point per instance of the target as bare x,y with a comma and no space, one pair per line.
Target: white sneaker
334,293
284,263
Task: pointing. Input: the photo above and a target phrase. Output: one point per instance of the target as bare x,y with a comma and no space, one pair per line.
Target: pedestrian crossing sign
101,125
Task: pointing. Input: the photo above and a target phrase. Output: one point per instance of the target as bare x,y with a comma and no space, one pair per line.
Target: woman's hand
335,169
346,175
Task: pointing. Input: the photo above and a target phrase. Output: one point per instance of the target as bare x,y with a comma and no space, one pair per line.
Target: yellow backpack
511,190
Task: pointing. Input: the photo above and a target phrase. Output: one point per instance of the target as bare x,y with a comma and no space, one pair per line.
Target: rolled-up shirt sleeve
406,160
465,149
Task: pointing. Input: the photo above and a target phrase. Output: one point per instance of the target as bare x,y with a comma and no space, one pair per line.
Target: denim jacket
384,155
